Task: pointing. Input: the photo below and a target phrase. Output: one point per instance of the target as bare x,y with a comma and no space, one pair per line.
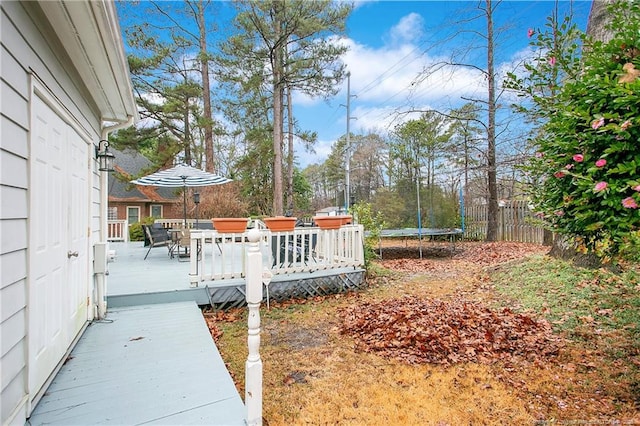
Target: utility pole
347,169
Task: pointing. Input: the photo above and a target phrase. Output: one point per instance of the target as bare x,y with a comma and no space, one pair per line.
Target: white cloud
409,28
388,78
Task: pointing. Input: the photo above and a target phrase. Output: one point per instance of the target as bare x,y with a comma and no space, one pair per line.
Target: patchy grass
598,312
579,302
314,375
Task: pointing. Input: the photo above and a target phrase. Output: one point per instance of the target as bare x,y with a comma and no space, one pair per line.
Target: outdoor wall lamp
105,158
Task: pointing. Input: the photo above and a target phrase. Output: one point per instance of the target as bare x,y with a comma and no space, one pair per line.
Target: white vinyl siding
14,90
28,47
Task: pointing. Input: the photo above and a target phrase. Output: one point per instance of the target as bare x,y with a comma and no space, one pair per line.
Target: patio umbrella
181,176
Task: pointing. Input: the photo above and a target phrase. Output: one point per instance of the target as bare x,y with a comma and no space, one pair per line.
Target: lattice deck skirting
227,297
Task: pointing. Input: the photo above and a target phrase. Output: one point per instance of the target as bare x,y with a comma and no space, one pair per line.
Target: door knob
71,254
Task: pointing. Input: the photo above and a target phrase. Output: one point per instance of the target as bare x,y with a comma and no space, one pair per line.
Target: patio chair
156,237
184,242
207,224
311,255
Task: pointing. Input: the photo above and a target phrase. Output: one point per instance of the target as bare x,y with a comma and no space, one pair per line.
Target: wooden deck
152,360
147,364
161,279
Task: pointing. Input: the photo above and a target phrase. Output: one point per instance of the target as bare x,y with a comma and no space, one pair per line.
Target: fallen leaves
496,252
211,319
446,332
466,254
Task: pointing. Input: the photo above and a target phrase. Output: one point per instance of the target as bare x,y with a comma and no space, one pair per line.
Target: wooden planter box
280,223
230,224
332,222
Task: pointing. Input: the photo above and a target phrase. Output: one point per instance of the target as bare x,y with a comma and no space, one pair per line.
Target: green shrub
373,224
585,171
136,233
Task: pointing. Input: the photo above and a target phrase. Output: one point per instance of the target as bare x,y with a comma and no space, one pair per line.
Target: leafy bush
136,233
220,201
373,223
587,161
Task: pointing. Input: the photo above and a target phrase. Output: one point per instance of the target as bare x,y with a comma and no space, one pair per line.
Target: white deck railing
118,230
223,255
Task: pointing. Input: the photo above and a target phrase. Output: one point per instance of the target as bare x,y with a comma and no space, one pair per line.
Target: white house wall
28,47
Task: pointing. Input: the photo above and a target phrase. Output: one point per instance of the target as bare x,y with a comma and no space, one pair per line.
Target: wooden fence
515,223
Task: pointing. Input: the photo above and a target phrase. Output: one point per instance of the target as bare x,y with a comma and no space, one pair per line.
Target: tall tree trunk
492,220
466,171
187,133
206,91
290,203
278,97
598,19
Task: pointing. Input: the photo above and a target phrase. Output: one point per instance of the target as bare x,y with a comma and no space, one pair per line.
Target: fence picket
515,223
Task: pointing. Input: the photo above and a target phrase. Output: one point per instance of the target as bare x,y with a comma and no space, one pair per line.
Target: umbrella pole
184,204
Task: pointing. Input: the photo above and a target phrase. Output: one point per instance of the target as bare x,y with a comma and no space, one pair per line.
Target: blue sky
391,42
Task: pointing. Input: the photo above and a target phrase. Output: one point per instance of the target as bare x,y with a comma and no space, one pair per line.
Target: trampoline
406,233
420,231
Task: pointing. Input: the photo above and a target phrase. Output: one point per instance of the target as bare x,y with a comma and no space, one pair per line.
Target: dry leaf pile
496,252
433,331
477,254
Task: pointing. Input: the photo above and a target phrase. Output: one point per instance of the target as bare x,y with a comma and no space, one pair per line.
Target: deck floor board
144,364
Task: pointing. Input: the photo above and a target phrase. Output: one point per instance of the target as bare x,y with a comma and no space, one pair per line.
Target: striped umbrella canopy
181,176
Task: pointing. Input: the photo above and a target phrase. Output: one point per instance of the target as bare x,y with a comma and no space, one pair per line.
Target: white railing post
253,366
196,251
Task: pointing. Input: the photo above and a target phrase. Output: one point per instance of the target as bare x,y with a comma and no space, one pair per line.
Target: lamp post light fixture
105,158
196,201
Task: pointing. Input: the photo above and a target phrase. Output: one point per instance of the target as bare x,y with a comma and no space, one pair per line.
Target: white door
58,241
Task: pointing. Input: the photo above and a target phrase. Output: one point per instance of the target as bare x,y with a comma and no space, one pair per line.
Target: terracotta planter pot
230,224
280,223
332,222
346,219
